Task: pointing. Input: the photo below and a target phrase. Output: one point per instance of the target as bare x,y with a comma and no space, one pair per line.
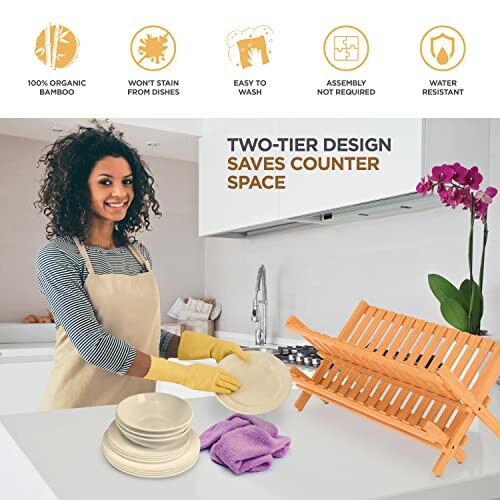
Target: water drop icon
442,57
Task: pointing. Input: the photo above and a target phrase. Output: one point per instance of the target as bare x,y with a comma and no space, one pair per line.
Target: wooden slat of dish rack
425,380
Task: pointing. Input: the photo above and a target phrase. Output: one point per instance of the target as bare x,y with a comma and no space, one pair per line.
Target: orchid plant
458,186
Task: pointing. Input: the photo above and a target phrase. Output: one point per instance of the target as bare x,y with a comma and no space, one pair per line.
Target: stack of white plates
151,436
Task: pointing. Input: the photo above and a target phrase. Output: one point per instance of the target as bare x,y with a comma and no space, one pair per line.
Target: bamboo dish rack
424,380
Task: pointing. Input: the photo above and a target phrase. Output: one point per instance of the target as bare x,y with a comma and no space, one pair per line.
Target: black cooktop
306,355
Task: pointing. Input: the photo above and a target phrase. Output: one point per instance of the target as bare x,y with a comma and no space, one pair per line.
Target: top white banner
257,59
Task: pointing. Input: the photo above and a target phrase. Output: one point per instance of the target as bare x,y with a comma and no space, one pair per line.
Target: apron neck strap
84,254
139,257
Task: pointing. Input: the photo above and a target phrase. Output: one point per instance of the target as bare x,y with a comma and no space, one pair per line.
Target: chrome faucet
259,309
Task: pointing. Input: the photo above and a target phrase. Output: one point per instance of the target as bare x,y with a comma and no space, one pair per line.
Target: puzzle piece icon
346,48
352,54
351,42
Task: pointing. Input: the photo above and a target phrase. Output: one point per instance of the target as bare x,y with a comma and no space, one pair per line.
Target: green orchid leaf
475,303
443,290
454,313
465,290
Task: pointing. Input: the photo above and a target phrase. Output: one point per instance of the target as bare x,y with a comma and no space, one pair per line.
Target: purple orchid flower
445,195
491,191
472,178
443,173
487,195
457,197
424,186
480,210
455,185
459,172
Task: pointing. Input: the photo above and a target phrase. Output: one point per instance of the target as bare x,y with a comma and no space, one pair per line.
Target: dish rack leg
441,464
318,375
462,393
302,400
454,448
460,455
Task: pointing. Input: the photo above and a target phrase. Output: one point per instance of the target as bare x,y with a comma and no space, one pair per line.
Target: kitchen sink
261,348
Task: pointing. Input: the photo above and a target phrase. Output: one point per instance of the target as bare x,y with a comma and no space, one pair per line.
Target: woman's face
111,188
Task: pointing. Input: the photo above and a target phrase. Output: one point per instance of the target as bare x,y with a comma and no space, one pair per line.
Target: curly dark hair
63,195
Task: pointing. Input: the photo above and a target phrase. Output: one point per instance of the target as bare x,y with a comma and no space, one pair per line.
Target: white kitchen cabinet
416,146
310,191
222,209
22,383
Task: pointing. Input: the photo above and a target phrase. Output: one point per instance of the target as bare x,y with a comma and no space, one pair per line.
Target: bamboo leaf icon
56,46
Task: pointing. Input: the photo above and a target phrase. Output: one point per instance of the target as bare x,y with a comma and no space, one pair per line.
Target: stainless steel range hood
386,207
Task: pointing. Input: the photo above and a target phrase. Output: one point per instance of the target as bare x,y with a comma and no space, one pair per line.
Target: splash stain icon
153,48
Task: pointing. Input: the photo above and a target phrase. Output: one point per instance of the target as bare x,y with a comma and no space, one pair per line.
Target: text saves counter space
333,453
416,145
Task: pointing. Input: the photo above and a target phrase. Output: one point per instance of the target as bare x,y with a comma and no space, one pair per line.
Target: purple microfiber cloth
244,443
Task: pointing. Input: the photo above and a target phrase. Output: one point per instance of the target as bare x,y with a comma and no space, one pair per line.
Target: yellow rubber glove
196,376
200,346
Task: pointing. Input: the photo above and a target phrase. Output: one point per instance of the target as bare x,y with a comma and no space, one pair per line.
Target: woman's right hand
196,376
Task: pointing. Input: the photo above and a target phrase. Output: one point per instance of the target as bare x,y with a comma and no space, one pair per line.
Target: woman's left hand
223,348
200,346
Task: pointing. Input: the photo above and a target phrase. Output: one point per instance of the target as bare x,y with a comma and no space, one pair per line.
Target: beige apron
127,307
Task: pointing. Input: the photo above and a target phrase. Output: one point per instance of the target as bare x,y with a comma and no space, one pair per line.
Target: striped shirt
61,274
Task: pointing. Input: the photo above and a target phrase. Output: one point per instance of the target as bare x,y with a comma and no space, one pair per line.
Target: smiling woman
80,169
97,193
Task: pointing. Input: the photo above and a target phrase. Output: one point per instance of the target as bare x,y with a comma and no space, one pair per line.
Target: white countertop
334,454
22,480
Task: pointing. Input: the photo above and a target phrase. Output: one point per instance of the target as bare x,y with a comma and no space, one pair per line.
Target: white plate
154,435
179,463
154,412
150,460
148,442
265,383
164,469
126,448
155,444
137,470
136,473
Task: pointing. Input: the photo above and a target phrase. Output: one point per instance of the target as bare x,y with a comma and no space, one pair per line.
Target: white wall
176,249
320,274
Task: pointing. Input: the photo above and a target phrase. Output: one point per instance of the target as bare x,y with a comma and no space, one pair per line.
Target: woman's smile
116,206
